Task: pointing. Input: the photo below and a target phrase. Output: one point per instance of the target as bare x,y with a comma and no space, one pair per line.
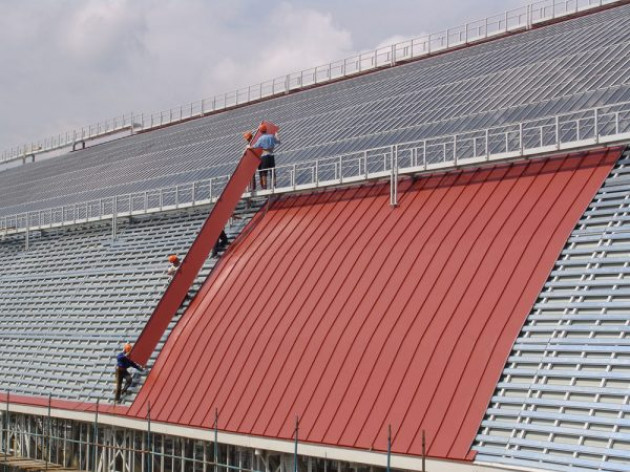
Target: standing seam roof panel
354,315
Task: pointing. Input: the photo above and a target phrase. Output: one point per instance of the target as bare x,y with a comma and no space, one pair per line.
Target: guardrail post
340,170
424,454
424,154
557,132
596,124
455,150
528,17
294,176
520,138
393,182
26,236
487,144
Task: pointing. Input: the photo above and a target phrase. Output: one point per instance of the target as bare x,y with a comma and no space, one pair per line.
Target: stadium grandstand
438,278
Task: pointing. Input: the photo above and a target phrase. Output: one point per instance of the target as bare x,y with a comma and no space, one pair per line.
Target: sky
65,64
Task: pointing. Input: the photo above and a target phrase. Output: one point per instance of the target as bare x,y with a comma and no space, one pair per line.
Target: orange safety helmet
262,128
173,259
127,348
248,136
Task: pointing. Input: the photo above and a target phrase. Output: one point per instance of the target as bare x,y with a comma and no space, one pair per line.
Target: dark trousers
221,242
122,374
266,167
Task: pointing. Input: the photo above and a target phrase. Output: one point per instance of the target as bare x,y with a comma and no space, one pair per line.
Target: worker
247,136
122,371
267,142
221,243
173,266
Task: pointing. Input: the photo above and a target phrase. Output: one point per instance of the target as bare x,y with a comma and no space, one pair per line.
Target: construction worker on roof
123,363
267,142
247,136
220,244
173,266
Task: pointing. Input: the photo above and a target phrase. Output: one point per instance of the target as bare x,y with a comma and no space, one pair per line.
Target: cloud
103,32
69,63
73,63
293,39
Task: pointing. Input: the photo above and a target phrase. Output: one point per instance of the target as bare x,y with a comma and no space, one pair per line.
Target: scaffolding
63,444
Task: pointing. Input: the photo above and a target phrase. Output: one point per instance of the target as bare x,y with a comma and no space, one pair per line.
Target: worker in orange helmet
173,266
248,136
267,142
123,363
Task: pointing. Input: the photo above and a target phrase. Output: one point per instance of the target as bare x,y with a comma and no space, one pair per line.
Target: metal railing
512,20
570,131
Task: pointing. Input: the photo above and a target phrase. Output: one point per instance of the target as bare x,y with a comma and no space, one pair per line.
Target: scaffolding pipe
149,440
295,452
95,437
389,447
6,432
48,428
216,440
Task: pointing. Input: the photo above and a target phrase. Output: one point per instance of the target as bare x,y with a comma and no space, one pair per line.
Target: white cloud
103,31
68,63
397,38
73,63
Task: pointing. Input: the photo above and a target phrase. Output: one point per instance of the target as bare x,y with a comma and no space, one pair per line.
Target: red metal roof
355,315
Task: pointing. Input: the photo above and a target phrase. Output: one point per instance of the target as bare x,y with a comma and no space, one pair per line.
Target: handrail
520,18
569,131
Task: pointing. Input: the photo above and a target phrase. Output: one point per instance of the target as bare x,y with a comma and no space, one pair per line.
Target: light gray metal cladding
572,65
563,400
72,299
